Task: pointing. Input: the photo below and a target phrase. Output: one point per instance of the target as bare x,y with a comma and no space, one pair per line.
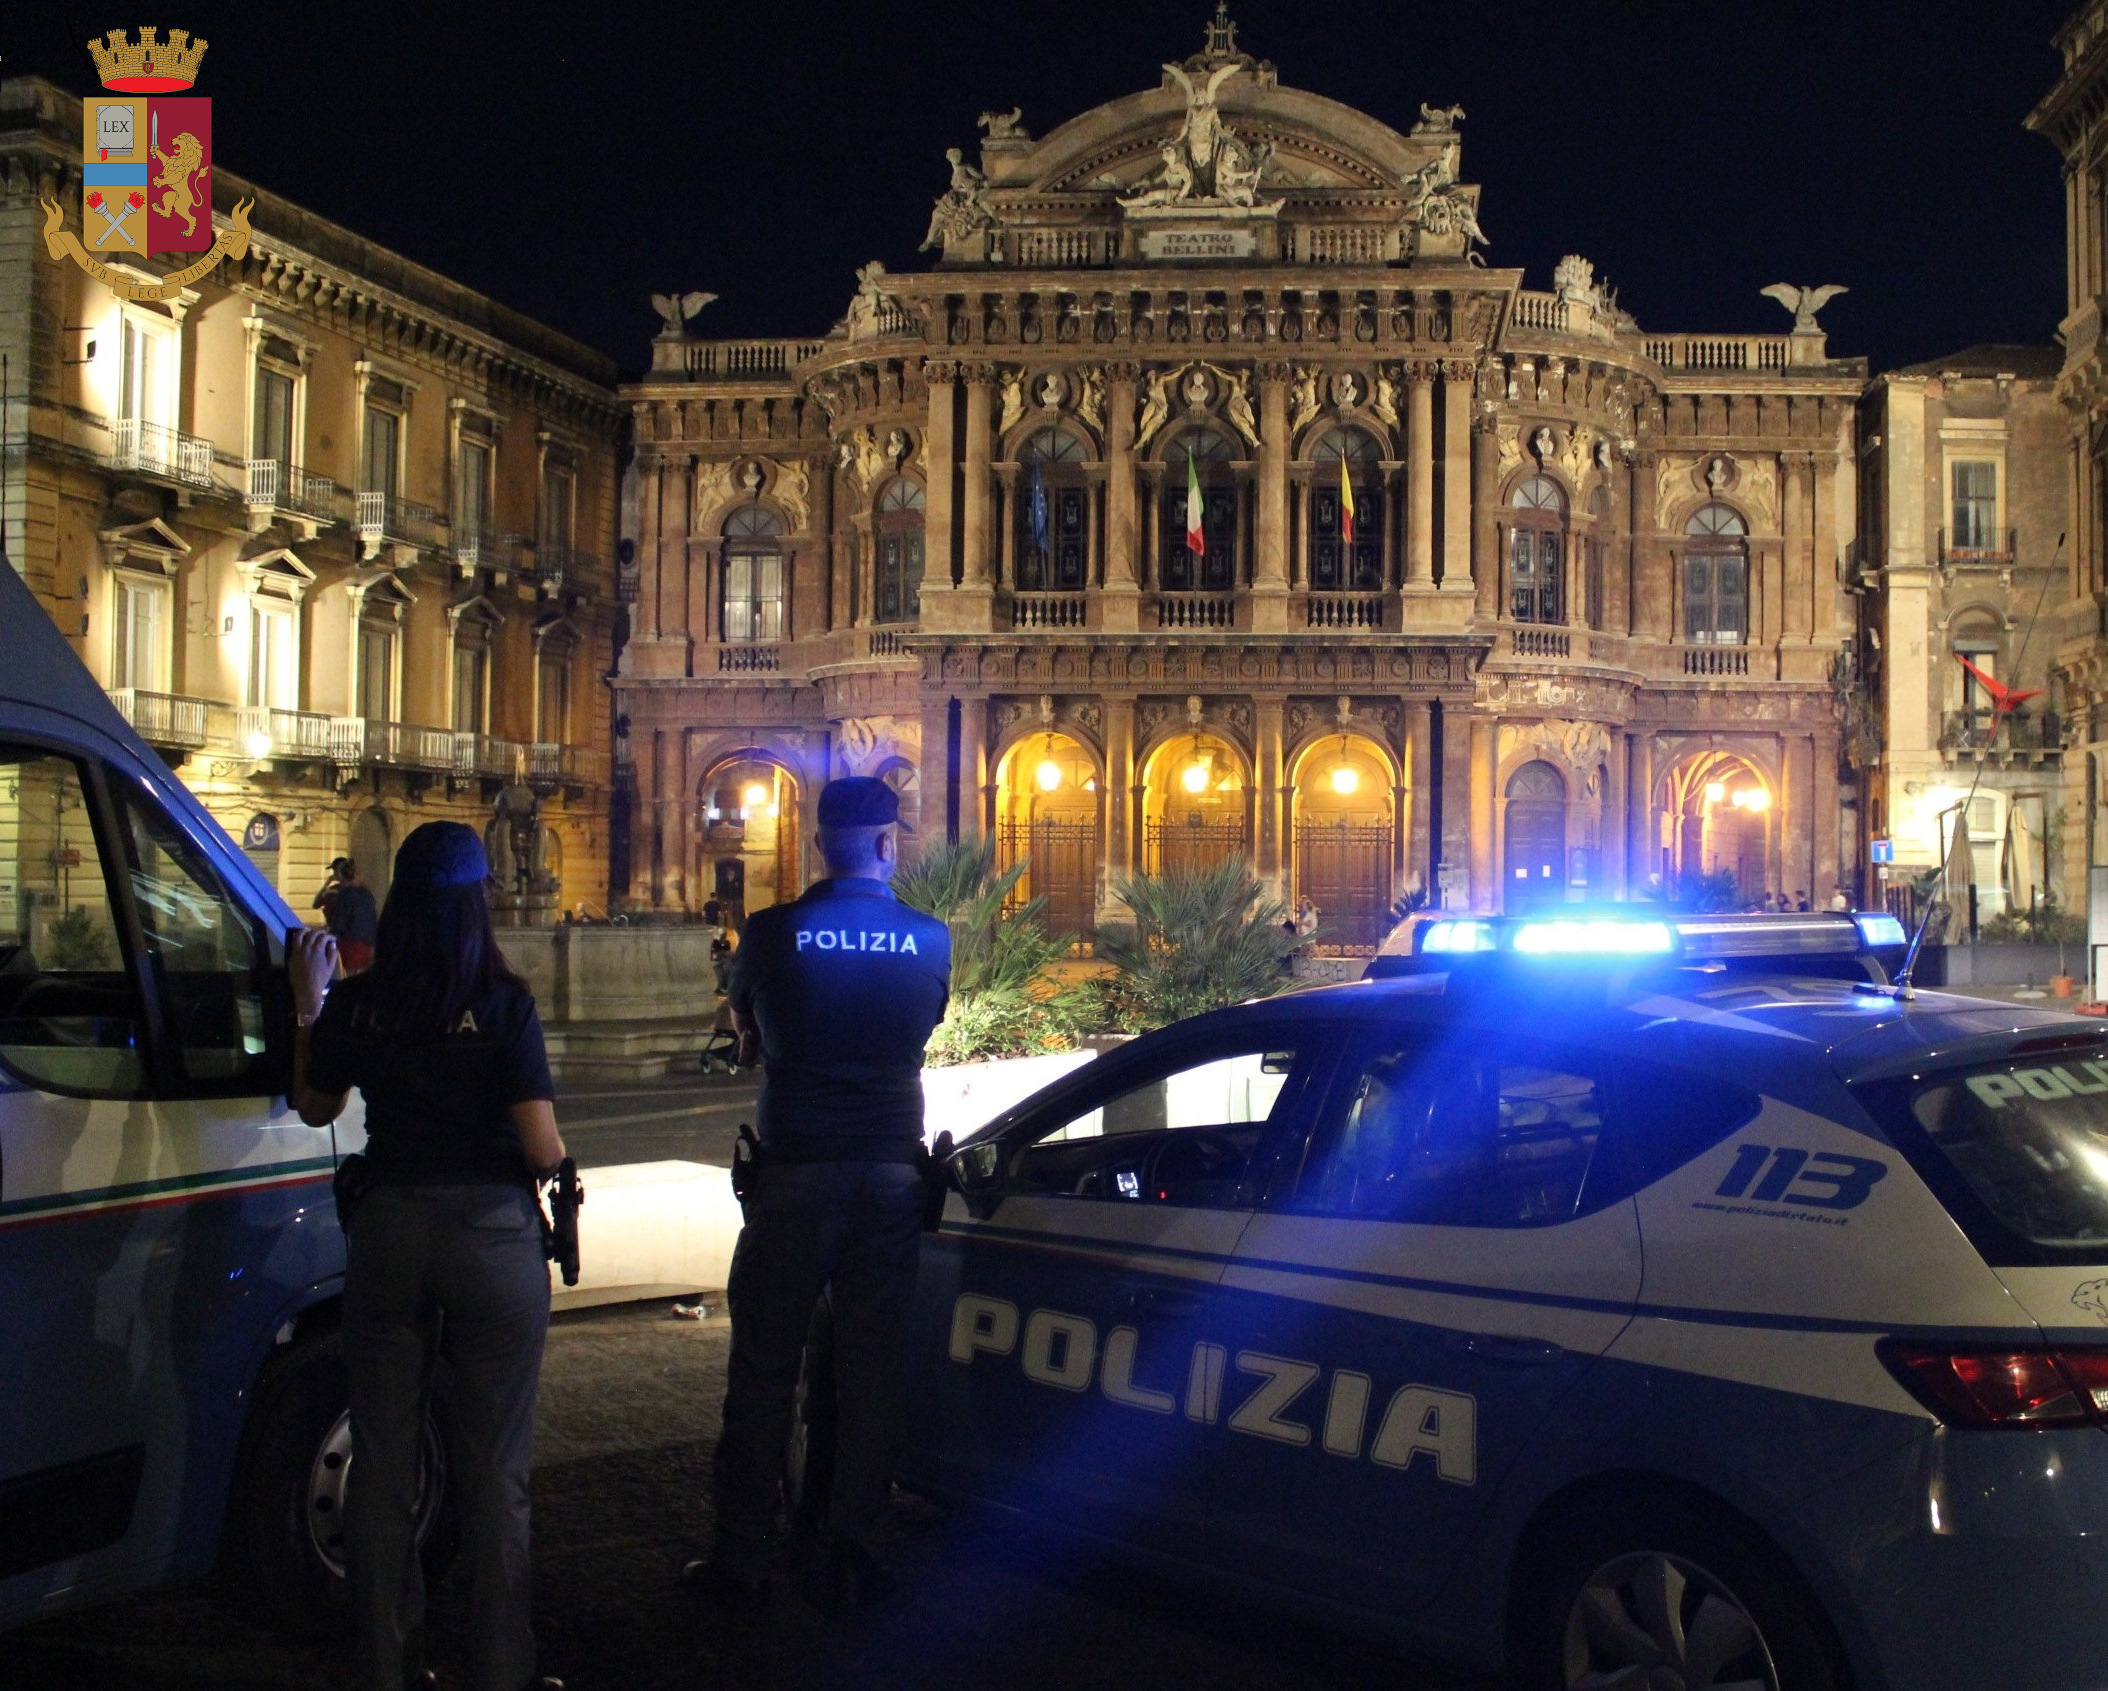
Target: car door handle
1164,1301
1504,1350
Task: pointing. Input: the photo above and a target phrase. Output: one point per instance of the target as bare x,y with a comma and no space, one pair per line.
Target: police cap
858,801
439,855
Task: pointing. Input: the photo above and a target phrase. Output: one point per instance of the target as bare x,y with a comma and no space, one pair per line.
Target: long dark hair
434,955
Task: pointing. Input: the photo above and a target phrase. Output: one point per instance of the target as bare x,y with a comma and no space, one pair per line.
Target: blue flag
1036,507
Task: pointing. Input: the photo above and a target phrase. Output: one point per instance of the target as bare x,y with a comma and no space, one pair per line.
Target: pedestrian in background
348,913
445,1252
838,992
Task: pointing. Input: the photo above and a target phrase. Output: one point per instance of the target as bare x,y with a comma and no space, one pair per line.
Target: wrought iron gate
1344,868
1064,871
1195,844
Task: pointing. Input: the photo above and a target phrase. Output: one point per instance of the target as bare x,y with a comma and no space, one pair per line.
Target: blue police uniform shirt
845,985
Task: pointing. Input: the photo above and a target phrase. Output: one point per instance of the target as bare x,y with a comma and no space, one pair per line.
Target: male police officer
840,990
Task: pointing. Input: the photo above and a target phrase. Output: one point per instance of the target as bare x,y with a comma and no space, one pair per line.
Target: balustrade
1047,610
1716,660
749,660
1196,610
1343,610
163,719
157,451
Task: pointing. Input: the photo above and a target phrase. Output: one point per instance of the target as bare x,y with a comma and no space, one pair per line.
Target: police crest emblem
146,168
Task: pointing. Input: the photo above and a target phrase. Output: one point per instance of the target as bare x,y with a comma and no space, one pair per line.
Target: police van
1626,1300
172,1394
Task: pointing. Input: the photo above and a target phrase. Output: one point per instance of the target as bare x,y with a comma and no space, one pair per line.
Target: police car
172,1396
1629,1301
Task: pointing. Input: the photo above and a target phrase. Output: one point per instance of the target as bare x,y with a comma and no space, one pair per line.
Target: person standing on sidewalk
445,1254
348,912
839,992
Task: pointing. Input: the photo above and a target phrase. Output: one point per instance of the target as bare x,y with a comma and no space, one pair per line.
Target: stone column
940,468
1267,775
648,494
1642,832
1485,862
666,820
1823,803
644,816
1270,571
1420,480
1485,516
973,773
936,753
1610,824
1121,800
1119,606
972,604
1419,764
1457,376
1826,573
1797,618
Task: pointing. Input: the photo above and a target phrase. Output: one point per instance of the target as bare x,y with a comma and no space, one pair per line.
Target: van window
2030,1139
70,1015
205,951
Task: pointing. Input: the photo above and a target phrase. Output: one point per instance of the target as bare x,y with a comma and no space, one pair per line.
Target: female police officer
445,1246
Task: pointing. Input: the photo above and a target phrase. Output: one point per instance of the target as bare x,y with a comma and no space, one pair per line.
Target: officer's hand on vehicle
311,964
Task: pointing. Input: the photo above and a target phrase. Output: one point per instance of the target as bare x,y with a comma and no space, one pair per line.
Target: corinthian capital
940,370
1273,370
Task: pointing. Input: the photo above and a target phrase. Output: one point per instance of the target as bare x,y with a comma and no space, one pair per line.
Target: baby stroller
720,1054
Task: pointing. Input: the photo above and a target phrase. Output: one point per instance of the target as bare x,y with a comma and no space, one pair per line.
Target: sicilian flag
1346,504
1196,536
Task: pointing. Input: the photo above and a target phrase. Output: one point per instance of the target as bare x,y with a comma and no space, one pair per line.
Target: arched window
753,575
1053,513
897,594
1537,551
1346,551
1716,577
1212,569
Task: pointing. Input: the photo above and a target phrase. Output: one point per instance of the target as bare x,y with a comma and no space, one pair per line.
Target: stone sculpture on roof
1206,162
959,210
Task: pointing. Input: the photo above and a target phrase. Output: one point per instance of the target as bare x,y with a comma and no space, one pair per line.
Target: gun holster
936,1181
350,1183
746,1162
560,1223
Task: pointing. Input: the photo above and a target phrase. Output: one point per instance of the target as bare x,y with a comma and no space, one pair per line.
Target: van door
147,1181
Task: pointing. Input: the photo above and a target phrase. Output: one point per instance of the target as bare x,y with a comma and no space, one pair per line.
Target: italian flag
1346,504
1196,539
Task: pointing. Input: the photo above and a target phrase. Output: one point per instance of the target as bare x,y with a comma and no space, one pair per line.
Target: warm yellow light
1345,779
1715,791
1752,798
1049,775
258,744
1090,783
1195,778
755,794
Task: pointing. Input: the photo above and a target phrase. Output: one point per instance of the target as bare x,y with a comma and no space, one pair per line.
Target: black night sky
570,160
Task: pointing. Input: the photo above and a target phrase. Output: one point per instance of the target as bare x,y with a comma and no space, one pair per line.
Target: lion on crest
179,168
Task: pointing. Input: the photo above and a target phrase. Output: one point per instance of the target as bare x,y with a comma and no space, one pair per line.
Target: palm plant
1201,939
1004,1000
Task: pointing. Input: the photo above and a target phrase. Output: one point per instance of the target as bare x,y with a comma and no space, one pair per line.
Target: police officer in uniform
840,991
445,1255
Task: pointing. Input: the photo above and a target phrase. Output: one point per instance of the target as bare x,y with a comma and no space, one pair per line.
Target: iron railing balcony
272,484
266,731
486,755
2022,733
554,763
1986,547
477,547
169,454
384,518
164,719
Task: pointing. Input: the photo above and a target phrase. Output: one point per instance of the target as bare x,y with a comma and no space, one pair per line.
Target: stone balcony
168,720
275,491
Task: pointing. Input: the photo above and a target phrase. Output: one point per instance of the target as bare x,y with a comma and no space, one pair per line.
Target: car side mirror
977,1173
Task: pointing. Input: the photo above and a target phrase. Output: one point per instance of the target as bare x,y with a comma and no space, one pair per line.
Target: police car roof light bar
1611,935
1593,936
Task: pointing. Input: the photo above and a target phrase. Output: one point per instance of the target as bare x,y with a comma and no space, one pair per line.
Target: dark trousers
852,1230
454,1272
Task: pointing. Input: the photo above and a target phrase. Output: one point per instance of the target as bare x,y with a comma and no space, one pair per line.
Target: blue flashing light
1451,936
1597,937
1881,929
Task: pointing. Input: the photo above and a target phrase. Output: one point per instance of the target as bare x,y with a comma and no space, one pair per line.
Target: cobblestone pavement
627,1420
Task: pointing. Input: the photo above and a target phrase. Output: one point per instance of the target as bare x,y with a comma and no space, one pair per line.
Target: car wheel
285,1529
1666,1596
809,1462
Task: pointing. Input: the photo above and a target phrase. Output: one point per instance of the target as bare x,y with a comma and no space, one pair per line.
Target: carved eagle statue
675,310
1804,303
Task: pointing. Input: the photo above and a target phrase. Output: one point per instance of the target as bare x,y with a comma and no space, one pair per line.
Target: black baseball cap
858,801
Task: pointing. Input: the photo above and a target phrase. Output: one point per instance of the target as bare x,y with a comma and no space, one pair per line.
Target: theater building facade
1211,492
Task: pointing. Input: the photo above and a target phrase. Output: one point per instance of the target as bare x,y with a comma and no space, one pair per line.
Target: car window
206,951
2030,1138
1437,1129
1196,1129
70,1013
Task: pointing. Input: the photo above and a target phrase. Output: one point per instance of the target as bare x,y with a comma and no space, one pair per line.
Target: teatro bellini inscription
1199,243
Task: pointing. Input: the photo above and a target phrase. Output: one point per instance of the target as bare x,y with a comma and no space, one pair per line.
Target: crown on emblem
150,67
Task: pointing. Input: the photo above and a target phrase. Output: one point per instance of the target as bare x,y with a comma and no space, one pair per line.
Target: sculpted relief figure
1090,399
1237,405
1435,203
676,311
1804,303
958,210
1385,404
1156,407
1004,126
1013,389
1438,120
1303,401
1205,162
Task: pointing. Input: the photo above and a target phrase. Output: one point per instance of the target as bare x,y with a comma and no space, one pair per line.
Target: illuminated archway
748,838
1720,813
1343,825
1047,812
1195,813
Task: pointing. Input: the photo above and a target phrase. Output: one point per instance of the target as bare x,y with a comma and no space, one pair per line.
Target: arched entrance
1047,813
1534,864
1194,814
1342,828
373,850
749,837
1720,814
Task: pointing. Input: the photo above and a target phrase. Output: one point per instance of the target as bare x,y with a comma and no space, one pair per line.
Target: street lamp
257,744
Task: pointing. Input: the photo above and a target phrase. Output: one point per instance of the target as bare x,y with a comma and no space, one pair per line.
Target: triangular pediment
151,538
